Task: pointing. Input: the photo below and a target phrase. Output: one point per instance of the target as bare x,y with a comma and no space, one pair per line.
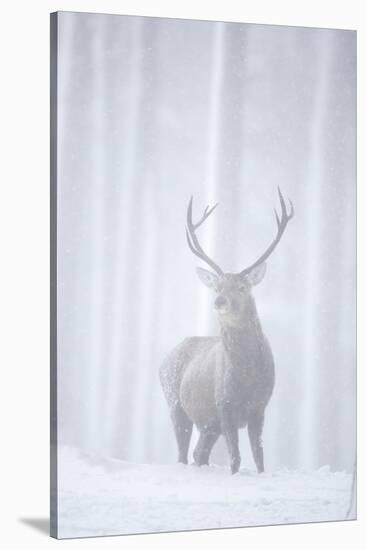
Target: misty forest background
151,111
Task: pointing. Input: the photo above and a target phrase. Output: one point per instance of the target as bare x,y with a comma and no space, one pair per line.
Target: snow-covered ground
108,497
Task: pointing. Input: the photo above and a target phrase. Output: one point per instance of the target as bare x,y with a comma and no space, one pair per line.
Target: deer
223,383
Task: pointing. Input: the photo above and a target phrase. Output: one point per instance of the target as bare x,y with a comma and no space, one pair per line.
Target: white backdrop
25,306
150,112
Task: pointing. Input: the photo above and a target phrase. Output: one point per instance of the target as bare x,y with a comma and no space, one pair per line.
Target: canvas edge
53,275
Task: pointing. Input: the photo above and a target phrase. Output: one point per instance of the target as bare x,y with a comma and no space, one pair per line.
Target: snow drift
110,497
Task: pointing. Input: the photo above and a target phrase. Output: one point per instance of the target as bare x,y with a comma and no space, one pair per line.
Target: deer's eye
242,288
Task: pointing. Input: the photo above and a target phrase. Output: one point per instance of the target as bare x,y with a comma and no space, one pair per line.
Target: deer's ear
256,275
207,277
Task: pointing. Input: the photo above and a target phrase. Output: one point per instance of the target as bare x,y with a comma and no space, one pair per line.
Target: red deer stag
223,383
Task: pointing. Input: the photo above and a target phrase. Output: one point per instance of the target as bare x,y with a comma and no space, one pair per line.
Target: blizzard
111,497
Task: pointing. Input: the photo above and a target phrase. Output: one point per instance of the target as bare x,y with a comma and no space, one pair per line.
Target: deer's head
233,290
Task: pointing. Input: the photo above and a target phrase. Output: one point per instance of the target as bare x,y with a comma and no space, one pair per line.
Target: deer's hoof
235,465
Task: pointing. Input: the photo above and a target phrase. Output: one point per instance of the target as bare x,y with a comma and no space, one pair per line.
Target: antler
281,226
192,240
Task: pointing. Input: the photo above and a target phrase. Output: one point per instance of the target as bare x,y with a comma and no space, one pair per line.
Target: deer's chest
239,381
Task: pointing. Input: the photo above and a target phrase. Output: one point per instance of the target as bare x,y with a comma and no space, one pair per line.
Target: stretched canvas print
203,352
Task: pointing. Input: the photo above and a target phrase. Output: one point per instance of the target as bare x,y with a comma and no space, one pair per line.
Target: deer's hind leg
183,431
206,441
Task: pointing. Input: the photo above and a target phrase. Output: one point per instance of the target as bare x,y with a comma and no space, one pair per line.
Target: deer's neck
243,340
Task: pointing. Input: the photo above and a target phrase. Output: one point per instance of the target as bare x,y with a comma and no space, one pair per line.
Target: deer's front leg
255,428
230,432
